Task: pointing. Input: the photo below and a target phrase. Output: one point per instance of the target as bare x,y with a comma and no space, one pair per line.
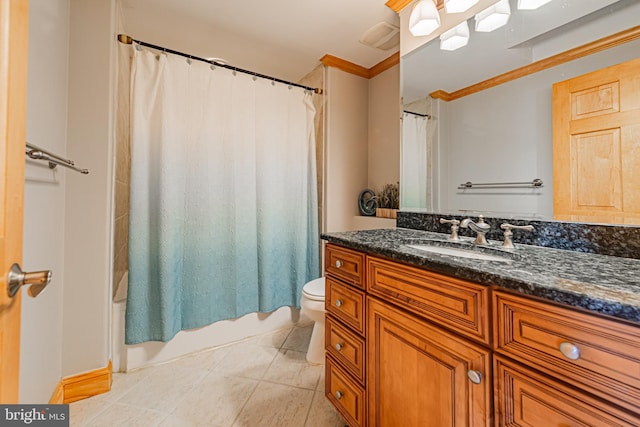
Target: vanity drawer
345,303
460,305
602,355
345,394
345,264
346,347
524,397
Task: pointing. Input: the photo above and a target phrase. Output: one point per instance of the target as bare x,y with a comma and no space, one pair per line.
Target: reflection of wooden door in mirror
596,146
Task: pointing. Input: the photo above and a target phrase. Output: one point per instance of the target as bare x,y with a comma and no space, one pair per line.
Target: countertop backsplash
615,240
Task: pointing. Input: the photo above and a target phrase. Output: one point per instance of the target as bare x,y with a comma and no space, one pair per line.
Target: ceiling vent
383,36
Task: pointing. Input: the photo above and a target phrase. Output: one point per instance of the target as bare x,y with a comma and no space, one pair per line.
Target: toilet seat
314,290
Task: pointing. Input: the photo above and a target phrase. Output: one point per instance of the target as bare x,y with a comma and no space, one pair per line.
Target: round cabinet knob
570,351
339,395
474,376
339,303
339,263
339,346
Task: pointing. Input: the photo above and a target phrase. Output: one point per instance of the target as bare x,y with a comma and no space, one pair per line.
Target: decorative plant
389,196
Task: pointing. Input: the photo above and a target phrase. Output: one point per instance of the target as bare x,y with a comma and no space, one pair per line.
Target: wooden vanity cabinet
590,354
418,348
345,343
419,374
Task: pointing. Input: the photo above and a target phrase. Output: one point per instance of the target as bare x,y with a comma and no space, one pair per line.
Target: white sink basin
459,252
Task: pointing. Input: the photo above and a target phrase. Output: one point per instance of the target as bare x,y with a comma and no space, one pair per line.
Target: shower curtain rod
417,114
123,38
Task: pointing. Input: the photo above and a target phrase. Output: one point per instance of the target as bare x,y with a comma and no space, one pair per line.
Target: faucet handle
454,227
508,234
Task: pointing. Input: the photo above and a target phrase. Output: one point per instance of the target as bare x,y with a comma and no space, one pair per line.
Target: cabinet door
418,374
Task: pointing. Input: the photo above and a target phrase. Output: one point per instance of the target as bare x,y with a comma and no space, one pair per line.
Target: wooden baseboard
58,395
78,387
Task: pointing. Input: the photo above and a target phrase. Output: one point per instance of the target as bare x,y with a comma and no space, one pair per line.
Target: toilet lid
314,289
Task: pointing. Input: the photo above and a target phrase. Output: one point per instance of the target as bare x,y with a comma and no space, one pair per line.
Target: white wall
384,129
504,134
89,218
362,144
44,198
204,40
65,330
346,147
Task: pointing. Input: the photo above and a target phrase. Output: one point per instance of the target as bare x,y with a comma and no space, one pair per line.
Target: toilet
312,303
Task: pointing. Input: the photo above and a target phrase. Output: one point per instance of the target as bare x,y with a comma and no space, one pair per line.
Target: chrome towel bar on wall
536,183
37,153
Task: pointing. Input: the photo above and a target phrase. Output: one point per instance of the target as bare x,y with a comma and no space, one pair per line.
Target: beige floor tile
290,367
204,360
163,389
222,381
299,337
216,401
173,421
272,339
123,382
323,414
246,360
83,411
124,415
320,386
275,405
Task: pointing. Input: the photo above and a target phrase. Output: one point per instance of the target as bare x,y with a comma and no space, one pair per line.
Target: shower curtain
414,179
223,206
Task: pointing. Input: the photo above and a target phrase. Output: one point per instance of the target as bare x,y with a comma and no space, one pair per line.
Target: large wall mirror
501,134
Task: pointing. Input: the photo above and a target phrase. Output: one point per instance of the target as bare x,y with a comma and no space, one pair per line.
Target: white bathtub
128,357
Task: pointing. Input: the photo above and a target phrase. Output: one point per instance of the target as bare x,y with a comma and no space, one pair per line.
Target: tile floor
263,381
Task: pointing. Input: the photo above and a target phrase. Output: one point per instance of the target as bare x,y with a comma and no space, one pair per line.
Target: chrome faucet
481,228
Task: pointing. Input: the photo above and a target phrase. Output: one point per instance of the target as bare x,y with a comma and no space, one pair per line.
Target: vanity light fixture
459,6
493,17
424,18
531,4
456,37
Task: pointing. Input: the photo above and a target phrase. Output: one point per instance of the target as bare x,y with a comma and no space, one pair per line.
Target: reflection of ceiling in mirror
528,37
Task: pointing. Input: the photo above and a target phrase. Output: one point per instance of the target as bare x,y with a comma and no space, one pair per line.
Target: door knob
18,278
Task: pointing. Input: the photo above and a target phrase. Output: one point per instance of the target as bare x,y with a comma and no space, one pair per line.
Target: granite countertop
604,284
